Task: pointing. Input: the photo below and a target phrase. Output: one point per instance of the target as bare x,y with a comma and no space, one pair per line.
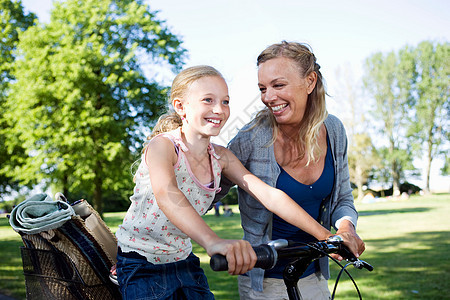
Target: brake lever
359,264
347,255
338,241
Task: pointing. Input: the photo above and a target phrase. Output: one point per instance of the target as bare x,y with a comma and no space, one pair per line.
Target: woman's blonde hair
180,86
316,112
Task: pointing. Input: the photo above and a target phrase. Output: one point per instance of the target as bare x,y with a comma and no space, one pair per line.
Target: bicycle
302,255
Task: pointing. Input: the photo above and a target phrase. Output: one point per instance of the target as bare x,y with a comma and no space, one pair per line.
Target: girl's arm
273,199
161,158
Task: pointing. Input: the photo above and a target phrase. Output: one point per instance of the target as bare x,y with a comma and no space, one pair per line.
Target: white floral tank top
145,229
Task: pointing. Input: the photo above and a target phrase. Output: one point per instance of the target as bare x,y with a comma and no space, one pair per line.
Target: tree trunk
394,171
98,191
395,179
65,186
359,182
428,166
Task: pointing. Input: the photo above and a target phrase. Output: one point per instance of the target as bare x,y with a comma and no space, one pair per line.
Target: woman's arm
161,157
273,199
344,215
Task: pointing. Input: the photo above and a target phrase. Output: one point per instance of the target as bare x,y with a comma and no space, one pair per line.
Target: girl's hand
113,270
239,253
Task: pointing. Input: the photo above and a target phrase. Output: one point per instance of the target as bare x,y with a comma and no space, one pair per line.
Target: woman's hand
351,239
239,253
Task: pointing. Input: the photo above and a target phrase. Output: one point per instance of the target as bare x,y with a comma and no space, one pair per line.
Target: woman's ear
311,79
179,107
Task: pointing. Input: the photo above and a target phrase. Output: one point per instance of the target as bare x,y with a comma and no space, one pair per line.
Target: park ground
407,242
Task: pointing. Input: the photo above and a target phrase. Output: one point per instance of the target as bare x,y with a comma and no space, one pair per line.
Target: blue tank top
309,197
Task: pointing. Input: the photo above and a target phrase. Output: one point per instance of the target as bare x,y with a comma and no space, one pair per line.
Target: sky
229,35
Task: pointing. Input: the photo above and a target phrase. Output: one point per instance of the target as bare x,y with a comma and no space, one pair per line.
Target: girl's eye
278,85
262,90
209,100
226,102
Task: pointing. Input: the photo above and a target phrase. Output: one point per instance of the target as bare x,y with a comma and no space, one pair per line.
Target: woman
294,145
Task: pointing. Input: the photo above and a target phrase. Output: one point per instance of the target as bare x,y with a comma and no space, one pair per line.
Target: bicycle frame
293,271
306,254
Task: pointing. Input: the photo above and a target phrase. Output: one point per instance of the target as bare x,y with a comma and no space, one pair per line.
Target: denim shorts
140,279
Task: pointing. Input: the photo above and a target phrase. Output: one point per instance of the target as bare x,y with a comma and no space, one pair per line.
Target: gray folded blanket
40,213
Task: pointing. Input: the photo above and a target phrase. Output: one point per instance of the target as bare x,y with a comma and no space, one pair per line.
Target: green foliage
362,159
362,155
411,92
81,99
445,170
380,81
8,205
13,21
231,197
430,129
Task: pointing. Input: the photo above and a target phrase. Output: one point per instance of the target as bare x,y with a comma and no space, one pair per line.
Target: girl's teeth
214,121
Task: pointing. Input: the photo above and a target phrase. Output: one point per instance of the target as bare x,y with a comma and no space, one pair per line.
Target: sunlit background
229,35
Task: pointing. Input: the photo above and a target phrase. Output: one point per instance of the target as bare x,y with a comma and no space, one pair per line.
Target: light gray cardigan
250,146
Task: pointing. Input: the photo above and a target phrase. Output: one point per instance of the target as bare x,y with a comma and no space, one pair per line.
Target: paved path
4,297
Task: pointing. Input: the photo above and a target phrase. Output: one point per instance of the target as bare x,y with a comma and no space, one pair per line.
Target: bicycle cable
343,269
338,277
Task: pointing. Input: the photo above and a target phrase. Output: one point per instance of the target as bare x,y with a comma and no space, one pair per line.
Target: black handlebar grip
346,254
218,262
367,265
265,254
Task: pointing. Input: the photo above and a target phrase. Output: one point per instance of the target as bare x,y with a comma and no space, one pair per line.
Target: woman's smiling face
283,90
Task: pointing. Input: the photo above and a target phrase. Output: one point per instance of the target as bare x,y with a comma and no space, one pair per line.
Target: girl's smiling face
206,105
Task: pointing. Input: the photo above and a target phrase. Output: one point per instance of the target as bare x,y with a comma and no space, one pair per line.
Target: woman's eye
278,85
226,102
209,100
262,90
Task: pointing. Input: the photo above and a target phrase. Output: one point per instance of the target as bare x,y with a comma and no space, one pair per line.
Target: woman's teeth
213,121
278,107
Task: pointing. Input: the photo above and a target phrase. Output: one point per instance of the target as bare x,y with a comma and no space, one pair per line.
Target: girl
176,182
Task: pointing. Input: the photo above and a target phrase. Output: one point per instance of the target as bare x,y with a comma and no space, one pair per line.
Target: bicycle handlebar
268,254
266,259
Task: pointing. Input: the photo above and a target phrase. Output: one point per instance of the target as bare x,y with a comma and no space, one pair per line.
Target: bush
232,197
405,187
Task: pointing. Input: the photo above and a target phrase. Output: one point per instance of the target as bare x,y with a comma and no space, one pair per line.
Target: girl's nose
218,108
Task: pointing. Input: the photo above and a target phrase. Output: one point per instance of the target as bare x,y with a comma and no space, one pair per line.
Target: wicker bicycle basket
71,262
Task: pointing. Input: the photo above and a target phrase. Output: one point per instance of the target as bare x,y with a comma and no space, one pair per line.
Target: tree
362,157
445,170
13,20
388,78
81,98
430,126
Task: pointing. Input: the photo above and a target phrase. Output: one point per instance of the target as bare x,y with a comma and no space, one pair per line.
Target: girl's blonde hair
180,85
316,112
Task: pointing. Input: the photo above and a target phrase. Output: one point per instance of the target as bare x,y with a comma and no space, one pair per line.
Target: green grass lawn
406,241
